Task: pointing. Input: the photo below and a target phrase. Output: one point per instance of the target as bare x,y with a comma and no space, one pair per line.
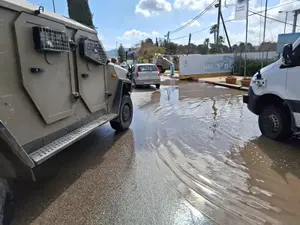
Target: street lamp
286,15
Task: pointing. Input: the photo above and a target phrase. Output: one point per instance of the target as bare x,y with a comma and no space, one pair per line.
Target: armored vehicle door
91,61
43,48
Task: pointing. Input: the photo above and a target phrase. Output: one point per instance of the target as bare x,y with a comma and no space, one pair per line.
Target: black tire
275,123
133,84
162,70
157,86
7,203
124,119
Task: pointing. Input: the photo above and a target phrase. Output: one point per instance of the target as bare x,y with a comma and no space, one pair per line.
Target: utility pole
53,3
296,12
168,42
246,41
225,31
189,46
264,34
117,53
286,15
218,23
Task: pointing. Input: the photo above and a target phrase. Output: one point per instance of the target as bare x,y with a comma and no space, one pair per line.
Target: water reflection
204,137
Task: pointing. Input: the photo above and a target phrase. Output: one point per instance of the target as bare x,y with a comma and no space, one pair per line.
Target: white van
274,95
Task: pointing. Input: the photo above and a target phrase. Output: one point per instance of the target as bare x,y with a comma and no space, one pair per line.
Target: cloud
137,34
191,4
194,24
255,30
153,7
155,33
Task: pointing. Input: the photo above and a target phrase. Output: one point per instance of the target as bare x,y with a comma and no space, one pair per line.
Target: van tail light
158,72
137,73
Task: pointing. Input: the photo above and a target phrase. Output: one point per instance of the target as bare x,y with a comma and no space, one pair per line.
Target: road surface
193,155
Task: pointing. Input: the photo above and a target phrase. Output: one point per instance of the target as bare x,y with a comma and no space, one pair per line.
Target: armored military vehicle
56,86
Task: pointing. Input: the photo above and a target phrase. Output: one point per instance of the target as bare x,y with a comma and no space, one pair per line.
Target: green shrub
253,65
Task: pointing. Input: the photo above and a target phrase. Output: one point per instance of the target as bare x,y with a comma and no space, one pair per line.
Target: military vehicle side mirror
287,54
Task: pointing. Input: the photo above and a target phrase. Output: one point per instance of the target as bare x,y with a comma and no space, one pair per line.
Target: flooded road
193,155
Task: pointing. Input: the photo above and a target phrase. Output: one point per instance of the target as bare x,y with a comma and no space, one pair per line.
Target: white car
145,74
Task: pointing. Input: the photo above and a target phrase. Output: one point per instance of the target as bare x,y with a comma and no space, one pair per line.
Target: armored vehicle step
58,145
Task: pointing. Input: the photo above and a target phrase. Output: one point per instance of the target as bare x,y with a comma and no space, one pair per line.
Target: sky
127,22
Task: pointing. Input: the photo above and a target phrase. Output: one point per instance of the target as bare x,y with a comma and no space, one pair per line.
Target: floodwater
193,155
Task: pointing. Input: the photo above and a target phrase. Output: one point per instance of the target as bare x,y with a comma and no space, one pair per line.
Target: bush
253,65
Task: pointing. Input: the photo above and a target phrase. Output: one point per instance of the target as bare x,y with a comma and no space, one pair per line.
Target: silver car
145,74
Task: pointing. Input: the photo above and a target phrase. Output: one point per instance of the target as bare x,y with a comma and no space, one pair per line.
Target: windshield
147,68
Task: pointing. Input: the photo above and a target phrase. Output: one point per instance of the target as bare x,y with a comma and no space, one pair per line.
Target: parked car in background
145,75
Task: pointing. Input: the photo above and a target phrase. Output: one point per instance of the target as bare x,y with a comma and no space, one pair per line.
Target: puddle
211,144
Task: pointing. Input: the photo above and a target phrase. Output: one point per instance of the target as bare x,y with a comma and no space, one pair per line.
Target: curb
232,86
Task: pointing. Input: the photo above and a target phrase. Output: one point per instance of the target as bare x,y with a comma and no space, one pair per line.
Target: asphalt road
193,155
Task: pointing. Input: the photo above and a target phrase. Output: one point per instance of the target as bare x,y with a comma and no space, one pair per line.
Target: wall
190,65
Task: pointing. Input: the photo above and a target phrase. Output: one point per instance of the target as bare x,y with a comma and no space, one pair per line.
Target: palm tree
206,43
79,10
213,30
221,40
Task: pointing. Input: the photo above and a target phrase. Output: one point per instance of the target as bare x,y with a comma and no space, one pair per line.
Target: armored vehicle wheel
124,119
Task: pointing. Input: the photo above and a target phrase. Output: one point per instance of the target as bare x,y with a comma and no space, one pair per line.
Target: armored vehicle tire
134,84
274,123
6,203
124,119
157,86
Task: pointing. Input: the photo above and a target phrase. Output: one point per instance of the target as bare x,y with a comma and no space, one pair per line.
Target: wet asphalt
193,155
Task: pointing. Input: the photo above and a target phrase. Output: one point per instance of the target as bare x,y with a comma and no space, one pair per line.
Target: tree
79,10
221,40
149,41
147,51
160,50
250,47
206,43
121,53
242,47
202,49
214,30
267,46
156,42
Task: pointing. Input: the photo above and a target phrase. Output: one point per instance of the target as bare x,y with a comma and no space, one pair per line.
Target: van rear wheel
274,123
124,119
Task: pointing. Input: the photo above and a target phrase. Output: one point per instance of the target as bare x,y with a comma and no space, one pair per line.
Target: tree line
146,49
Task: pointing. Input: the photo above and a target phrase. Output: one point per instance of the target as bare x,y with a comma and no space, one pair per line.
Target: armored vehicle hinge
76,96
73,45
41,9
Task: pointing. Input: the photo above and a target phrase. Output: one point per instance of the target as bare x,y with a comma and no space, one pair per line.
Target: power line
195,18
253,13
274,7
271,18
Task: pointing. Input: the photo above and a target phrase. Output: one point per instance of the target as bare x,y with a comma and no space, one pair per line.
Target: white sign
205,64
215,63
241,9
